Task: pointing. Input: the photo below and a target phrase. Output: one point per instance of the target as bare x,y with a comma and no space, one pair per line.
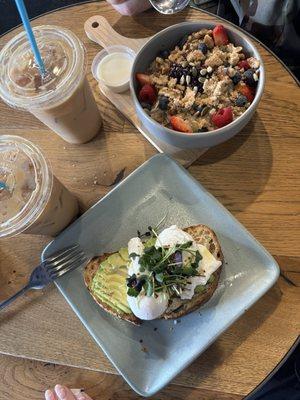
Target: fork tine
61,253
64,264
71,267
65,258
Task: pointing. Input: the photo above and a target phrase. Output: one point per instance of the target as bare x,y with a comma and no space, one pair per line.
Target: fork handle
12,298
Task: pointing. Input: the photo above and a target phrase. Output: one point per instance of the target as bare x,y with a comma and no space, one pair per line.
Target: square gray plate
162,187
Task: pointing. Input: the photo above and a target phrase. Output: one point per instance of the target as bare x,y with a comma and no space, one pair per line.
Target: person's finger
63,393
50,395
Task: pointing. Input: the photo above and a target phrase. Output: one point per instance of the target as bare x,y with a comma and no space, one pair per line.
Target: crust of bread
89,273
202,234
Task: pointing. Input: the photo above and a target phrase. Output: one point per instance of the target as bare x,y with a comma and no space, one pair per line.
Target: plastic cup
32,199
62,100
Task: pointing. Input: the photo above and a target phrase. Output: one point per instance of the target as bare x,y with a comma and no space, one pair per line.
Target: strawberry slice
143,79
222,117
244,64
178,124
147,94
247,91
220,35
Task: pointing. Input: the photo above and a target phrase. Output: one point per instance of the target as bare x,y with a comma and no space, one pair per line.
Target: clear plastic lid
25,184
21,84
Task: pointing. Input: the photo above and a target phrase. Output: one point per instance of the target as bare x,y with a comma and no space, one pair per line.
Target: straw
30,35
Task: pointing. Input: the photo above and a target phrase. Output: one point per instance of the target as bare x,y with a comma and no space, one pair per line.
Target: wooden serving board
100,31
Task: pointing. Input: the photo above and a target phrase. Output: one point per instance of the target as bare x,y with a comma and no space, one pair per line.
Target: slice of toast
202,234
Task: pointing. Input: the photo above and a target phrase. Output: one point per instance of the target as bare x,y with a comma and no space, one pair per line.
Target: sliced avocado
116,260
124,253
109,282
211,279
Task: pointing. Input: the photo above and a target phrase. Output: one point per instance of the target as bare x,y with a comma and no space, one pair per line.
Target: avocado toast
106,277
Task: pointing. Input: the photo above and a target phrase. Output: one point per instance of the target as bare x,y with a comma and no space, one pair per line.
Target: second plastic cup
32,200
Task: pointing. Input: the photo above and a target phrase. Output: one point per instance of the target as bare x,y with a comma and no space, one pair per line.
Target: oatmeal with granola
203,84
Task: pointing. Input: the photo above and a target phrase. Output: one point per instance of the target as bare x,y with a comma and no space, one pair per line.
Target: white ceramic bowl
167,39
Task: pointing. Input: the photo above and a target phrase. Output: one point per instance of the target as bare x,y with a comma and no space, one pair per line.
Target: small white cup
99,58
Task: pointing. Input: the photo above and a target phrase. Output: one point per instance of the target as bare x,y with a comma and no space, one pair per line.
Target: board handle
100,31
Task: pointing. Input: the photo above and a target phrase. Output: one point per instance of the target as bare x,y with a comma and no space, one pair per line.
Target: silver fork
50,269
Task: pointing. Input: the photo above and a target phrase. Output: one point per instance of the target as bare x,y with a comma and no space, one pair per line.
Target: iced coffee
32,200
61,98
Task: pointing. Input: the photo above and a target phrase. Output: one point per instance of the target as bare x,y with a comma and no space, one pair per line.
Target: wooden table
255,175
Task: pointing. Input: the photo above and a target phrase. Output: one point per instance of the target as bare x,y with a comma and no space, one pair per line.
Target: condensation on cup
32,199
63,99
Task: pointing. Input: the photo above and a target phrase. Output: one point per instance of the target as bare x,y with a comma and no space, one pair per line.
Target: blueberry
203,48
164,54
146,105
163,102
182,41
241,101
203,129
248,77
236,78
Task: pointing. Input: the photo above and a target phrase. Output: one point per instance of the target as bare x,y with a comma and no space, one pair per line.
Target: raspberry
147,94
244,64
222,117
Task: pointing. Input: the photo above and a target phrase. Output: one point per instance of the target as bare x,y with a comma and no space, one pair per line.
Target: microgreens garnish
166,269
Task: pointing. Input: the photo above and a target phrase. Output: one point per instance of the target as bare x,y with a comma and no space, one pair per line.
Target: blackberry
203,48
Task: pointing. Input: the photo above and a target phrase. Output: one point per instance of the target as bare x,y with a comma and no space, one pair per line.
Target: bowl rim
215,132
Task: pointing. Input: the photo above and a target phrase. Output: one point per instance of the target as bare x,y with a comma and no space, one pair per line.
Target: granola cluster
204,83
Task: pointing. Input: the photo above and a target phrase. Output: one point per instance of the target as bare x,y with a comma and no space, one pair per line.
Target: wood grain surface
255,175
